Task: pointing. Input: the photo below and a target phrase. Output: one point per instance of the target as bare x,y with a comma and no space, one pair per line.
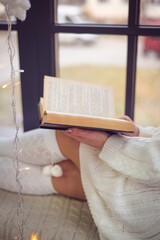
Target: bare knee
70,183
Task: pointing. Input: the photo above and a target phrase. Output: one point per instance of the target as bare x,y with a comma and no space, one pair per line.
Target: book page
82,98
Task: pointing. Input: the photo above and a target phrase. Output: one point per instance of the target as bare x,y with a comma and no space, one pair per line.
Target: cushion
50,217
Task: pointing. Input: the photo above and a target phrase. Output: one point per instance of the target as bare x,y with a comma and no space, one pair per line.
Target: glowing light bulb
8,83
19,70
24,169
4,85
34,237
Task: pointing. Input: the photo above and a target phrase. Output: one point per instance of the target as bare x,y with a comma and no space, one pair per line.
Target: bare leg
70,183
69,147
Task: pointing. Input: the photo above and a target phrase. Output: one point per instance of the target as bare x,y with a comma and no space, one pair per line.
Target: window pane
147,108
6,120
103,61
150,12
2,13
93,11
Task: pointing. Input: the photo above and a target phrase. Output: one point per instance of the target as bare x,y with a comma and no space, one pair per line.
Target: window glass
6,119
2,13
150,12
96,59
95,11
147,107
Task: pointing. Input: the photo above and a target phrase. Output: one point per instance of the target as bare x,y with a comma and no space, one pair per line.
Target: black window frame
38,51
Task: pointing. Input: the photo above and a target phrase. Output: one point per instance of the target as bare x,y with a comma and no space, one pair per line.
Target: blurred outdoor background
99,59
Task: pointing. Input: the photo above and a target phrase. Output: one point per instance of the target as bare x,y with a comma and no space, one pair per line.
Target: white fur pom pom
56,171
47,170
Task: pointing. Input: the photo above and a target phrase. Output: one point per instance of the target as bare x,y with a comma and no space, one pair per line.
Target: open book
67,103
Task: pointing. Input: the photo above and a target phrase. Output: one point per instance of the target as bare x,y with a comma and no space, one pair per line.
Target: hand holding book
97,138
135,132
92,138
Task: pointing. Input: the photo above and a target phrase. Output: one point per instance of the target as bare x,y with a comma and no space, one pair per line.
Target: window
150,12
114,47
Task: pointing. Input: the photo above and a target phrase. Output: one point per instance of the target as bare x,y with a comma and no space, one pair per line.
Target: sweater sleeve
147,131
135,157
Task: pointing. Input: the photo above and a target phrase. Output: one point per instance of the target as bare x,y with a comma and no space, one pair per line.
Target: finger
89,134
125,117
79,132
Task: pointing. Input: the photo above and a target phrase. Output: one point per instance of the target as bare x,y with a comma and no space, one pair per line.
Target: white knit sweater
122,185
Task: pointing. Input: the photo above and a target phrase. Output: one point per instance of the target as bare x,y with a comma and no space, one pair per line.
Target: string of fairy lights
17,9
11,52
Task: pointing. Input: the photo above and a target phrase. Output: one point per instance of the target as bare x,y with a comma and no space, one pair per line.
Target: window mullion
35,44
133,22
131,75
54,37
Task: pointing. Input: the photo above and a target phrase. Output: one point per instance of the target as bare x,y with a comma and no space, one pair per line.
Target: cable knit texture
31,178
122,185
37,147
